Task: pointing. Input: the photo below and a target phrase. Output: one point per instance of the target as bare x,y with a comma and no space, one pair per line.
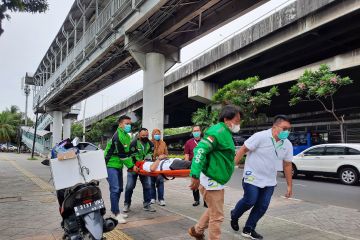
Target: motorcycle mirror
46,162
75,141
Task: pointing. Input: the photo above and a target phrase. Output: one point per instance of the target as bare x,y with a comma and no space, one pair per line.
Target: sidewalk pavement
28,210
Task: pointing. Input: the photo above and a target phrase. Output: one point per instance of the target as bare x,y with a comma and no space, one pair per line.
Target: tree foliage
241,93
7,126
205,117
320,86
10,120
100,129
175,131
31,6
76,130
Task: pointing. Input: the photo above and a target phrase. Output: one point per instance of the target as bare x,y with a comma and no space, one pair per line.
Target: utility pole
84,129
27,93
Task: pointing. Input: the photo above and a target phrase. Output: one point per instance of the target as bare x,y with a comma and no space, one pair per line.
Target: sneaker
196,235
124,215
162,203
196,203
121,219
126,208
205,205
152,201
252,234
149,208
234,224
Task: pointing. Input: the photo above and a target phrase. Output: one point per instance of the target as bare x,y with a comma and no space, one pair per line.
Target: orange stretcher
166,173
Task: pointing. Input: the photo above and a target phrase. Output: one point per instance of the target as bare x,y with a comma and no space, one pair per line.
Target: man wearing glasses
267,152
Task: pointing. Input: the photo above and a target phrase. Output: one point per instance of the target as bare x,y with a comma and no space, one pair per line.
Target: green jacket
117,151
215,158
140,151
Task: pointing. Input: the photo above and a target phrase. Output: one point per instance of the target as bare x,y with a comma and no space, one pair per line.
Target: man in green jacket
117,154
212,167
142,149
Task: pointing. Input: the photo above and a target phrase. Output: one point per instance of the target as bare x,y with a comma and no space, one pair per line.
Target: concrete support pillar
67,128
153,91
57,127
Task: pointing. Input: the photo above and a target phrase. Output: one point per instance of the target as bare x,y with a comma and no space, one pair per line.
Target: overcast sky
27,37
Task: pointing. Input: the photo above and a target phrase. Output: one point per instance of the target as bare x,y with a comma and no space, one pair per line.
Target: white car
87,146
341,160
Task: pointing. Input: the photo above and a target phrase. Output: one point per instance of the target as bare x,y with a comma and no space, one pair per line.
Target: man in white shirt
267,151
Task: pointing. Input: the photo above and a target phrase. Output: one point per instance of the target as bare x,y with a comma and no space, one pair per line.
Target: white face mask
235,128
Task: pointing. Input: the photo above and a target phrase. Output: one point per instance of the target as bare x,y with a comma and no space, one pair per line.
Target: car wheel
348,176
294,171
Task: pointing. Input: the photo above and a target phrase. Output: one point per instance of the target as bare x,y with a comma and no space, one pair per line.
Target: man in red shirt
189,154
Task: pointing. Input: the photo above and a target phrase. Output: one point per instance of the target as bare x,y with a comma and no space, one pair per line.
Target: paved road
320,190
28,210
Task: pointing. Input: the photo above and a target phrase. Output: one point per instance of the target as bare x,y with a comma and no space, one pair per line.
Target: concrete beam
240,47
138,51
336,63
202,91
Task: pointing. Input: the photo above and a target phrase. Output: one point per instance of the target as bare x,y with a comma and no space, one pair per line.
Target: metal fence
115,12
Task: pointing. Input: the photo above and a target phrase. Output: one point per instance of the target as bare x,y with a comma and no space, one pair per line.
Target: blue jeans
115,179
130,185
256,198
157,183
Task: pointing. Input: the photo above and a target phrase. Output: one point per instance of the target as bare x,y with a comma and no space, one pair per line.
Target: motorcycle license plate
89,207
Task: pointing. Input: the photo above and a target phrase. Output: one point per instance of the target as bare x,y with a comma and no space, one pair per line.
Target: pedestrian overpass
103,42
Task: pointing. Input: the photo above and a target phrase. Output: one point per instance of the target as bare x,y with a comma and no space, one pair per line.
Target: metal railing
90,37
44,121
42,146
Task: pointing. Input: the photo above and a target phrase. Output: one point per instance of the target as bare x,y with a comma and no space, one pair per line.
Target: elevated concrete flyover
279,48
302,34
102,42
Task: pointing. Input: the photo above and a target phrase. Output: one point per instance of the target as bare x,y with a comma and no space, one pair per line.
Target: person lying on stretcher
165,164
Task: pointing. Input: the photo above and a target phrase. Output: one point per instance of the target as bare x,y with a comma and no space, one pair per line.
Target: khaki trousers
213,217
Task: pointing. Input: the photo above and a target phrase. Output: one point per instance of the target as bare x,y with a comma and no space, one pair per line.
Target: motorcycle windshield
94,224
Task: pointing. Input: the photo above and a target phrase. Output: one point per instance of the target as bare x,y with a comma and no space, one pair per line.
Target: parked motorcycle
82,208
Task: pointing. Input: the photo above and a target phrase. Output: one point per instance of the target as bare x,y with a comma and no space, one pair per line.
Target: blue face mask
284,135
196,134
157,137
127,128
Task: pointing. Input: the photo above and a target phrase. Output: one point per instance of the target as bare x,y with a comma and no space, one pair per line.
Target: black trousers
196,195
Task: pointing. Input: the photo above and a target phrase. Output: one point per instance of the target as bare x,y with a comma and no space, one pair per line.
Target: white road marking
293,199
295,184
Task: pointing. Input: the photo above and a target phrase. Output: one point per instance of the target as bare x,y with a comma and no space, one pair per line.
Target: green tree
205,117
33,6
76,130
320,86
7,126
175,131
95,133
241,93
109,124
